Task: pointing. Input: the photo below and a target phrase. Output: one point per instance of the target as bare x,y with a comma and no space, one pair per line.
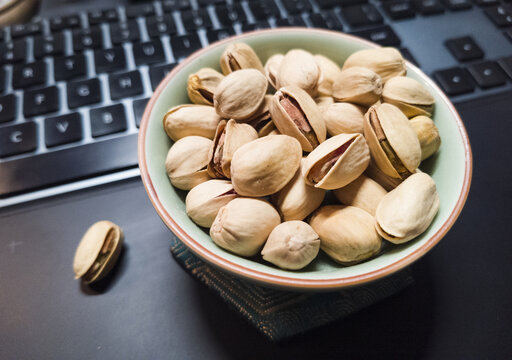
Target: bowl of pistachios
304,159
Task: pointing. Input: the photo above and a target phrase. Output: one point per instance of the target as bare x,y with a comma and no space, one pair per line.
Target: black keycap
464,48
160,25
228,14
500,15
13,51
219,34
19,30
486,2
256,26
326,20
49,45
454,81
17,139
108,120
172,5
87,38
40,101
407,54
102,16
125,84
487,74
138,109
205,3
136,10
7,107
264,9
158,72
399,9
292,20
101,157
2,34
296,6
506,64
123,32
110,60
508,34
365,14
456,5
382,35
429,7
327,4
63,129
84,92
184,45
69,67
26,75
148,52
195,19
2,80
66,22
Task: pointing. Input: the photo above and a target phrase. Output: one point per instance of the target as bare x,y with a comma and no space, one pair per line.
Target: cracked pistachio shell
329,70
188,120
363,193
239,56
376,174
243,225
264,166
357,85
337,161
297,199
261,121
98,251
204,200
201,86
272,68
347,233
408,95
343,118
300,69
408,210
240,94
385,61
186,162
296,114
291,245
323,102
428,135
229,137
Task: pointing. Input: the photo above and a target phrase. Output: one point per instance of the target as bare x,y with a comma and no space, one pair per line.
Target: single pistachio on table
204,200
187,160
189,120
239,56
408,210
337,161
343,118
243,225
347,233
291,245
272,68
357,85
393,142
264,166
428,135
240,94
329,70
385,61
323,102
261,121
229,137
202,84
376,174
408,95
296,114
299,68
98,251
363,193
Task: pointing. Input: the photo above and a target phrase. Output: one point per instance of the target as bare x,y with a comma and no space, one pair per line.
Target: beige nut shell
357,85
328,72
363,193
243,55
189,120
202,84
408,95
272,68
299,68
343,118
428,135
385,61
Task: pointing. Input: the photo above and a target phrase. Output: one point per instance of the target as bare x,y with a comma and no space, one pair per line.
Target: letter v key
62,126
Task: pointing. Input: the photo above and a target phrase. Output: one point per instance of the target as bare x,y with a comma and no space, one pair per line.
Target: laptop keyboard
73,88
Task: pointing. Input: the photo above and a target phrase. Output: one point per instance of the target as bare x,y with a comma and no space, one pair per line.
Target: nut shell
239,56
428,135
343,118
363,193
323,102
299,68
201,86
329,70
190,120
272,69
385,61
408,95
357,85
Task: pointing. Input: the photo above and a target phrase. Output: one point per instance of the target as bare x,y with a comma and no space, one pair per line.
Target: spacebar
61,166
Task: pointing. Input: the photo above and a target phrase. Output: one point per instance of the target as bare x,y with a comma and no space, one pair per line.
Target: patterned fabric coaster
281,314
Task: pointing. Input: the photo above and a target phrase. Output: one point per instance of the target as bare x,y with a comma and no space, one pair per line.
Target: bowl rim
279,280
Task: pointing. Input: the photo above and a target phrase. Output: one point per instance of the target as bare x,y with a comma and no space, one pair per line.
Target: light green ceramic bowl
450,168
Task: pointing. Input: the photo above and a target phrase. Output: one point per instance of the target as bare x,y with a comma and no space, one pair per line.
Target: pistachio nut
186,162
243,225
229,137
261,121
204,200
201,86
239,56
408,95
393,142
300,69
323,102
291,245
408,210
296,114
343,118
240,94
297,199
329,70
385,61
264,166
98,251
376,174
363,193
337,161
428,135
188,120
357,85
272,69
347,233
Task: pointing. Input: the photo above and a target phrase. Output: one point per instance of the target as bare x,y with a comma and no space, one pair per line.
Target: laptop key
407,55
195,19
487,74
228,14
464,48
49,45
292,20
365,14
454,81
160,25
2,80
456,5
124,32
19,30
40,101
69,67
84,92
399,9
508,34
13,51
139,106
501,15
17,139
63,129
148,52
158,72
326,20
102,16
383,35
65,22
26,75
7,107
108,120
486,2
184,45
136,10
263,9
296,6
109,60
125,84
219,34
506,64
87,38
173,5
429,7
256,26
